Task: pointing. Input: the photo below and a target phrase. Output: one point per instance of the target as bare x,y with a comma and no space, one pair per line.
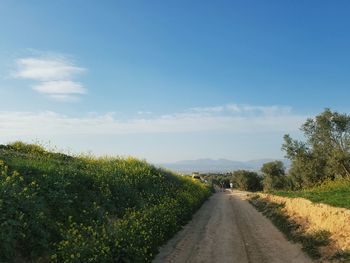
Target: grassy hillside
58,208
334,193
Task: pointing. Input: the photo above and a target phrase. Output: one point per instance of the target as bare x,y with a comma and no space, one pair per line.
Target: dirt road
228,229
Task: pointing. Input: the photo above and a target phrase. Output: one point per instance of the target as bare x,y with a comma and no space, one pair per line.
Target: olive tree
274,176
325,153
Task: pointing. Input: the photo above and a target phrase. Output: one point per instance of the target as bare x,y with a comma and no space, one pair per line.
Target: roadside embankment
316,217
60,208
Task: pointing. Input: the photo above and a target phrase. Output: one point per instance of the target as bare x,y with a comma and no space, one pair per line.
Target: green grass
335,193
60,208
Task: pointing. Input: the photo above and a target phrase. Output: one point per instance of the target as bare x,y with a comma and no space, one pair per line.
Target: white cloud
54,74
44,123
242,110
64,97
267,110
46,68
63,87
144,112
208,109
233,108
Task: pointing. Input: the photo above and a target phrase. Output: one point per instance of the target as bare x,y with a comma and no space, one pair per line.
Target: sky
170,80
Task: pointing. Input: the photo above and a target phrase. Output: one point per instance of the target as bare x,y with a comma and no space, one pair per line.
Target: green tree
275,168
325,153
274,176
246,180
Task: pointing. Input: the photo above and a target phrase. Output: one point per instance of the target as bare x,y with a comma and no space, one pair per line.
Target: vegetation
320,172
274,176
218,179
334,193
246,180
320,168
241,179
59,208
325,154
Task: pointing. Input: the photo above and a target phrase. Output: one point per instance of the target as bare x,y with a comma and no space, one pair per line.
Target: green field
334,193
59,208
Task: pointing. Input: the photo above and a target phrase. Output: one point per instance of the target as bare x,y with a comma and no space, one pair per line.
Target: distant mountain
216,166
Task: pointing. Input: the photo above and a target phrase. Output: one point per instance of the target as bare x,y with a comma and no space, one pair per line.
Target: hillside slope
59,208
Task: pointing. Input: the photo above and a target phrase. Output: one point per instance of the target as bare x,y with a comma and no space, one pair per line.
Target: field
335,193
59,208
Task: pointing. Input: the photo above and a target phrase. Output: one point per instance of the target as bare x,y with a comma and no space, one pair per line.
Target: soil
228,229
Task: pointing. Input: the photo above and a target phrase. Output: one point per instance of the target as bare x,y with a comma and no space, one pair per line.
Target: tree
246,180
275,168
326,151
274,176
329,136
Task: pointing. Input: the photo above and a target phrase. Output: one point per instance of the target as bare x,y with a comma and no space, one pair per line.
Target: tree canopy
325,153
274,175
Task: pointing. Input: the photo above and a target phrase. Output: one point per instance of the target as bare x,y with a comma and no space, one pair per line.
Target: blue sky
170,80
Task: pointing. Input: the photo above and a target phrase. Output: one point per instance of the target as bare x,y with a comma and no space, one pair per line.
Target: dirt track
228,229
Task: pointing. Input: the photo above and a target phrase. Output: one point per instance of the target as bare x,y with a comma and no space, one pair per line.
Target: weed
85,209
335,193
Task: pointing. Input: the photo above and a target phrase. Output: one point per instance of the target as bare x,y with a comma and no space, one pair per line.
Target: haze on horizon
170,81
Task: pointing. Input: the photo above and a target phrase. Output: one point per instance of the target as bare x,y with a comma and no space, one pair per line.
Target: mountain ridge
208,165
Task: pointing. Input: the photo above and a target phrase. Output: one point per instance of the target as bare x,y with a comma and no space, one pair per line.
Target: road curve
228,229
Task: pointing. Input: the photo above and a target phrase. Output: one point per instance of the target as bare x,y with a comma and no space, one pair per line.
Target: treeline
59,208
241,179
323,155
271,176
325,152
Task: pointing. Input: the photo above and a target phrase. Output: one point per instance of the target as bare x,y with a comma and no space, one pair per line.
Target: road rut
228,229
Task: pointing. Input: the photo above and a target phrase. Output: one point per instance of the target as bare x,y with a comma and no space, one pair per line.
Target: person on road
222,188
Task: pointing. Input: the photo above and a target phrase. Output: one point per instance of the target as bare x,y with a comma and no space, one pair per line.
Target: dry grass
318,217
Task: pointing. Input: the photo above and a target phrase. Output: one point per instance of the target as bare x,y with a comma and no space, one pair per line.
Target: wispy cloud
242,110
215,109
54,74
45,68
264,119
144,112
65,87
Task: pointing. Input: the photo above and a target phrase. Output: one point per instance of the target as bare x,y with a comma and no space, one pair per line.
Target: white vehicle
195,175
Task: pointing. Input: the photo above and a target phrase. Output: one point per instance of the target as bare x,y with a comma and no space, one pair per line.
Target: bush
271,183
22,147
84,209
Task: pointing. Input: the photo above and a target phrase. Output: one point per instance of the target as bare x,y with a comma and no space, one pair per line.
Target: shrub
84,209
22,147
